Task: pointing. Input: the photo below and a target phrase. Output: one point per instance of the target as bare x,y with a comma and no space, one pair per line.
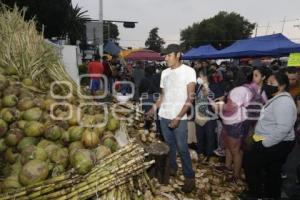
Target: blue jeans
206,138
177,140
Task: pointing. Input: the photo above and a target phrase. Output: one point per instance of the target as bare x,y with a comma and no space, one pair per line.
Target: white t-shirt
174,84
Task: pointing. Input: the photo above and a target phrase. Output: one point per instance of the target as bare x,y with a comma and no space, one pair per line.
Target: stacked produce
125,165
25,54
55,148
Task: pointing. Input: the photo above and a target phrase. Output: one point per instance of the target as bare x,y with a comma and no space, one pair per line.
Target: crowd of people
254,107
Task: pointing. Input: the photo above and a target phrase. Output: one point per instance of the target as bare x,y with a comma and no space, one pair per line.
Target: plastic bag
121,135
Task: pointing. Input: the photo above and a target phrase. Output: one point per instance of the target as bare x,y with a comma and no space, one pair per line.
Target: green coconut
75,145
25,104
11,155
26,141
112,124
110,143
11,183
82,160
13,137
60,156
27,82
65,138
99,130
33,153
75,133
32,114
90,139
53,132
10,115
11,71
9,101
3,82
50,149
3,145
34,129
57,170
21,124
3,127
33,172
101,152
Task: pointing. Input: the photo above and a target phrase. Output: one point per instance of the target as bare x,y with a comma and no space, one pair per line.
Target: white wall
69,59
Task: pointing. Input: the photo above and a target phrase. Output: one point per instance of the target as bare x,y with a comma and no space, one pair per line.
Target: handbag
201,119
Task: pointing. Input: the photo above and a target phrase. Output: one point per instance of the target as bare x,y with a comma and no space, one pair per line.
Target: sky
172,16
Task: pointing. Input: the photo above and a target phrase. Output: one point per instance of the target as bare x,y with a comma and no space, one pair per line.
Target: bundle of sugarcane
25,53
115,170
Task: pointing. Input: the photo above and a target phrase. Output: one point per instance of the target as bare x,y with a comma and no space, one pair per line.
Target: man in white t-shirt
177,95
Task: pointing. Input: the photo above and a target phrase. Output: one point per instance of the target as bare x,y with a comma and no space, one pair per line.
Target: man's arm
157,104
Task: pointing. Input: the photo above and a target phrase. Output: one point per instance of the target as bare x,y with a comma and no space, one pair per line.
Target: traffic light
129,24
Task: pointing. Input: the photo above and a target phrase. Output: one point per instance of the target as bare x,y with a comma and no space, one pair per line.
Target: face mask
270,90
199,81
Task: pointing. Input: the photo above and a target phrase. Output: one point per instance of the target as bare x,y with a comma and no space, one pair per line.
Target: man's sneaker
189,185
173,172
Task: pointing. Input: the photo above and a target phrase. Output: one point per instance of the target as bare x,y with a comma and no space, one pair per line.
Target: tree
110,31
76,23
221,31
154,42
56,17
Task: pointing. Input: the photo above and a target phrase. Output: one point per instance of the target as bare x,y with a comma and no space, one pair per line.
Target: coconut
3,146
101,152
99,130
11,155
57,170
25,104
82,160
112,124
53,132
110,143
3,82
48,103
11,71
73,121
9,101
90,139
11,183
27,82
44,143
75,133
10,115
60,156
50,149
3,127
33,114
75,145
13,137
26,141
65,138
34,129
33,172
21,124
33,153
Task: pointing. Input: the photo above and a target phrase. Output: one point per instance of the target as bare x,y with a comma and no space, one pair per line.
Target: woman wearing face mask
273,141
205,119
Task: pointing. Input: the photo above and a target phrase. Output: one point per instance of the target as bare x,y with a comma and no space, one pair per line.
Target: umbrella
144,54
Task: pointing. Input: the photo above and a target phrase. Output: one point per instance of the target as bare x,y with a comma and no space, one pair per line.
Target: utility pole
267,28
285,20
101,27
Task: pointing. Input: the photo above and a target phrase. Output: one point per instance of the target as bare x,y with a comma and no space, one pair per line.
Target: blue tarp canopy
112,48
271,45
199,53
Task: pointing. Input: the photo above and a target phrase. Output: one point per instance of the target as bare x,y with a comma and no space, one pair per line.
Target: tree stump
160,170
